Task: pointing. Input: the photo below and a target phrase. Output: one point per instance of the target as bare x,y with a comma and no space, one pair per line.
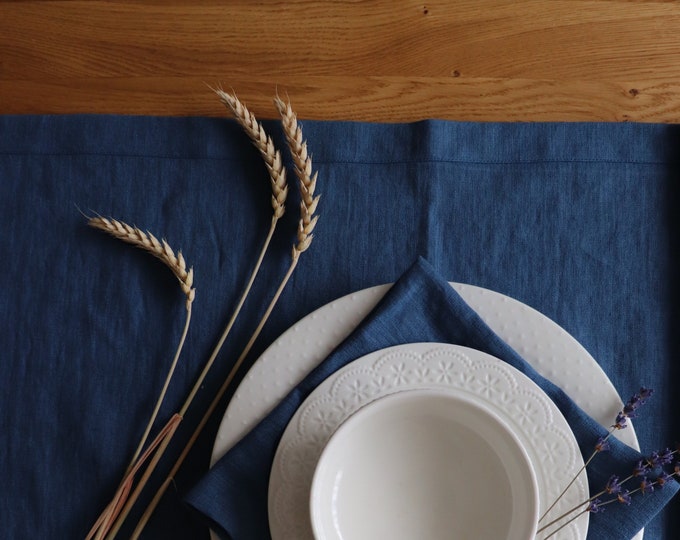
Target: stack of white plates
497,394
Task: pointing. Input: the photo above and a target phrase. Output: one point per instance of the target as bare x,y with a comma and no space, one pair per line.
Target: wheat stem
106,520
227,329
216,401
132,499
164,390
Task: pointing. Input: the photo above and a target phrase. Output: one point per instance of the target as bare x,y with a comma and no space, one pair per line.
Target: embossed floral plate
545,345
482,379
425,464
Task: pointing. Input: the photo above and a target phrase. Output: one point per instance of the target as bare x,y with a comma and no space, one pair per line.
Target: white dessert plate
546,346
482,379
424,464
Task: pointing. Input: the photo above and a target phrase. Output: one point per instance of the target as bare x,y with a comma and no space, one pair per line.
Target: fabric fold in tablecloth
421,306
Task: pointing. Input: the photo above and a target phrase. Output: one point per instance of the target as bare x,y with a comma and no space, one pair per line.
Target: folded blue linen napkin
421,306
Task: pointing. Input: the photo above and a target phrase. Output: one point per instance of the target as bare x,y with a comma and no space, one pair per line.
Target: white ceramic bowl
427,465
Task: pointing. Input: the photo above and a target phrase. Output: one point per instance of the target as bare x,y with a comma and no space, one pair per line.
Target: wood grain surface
373,60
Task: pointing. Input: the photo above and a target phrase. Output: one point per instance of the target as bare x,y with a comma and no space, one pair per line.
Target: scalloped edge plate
483,380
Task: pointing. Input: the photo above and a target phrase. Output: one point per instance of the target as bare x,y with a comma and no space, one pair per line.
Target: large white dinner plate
517,401
545,345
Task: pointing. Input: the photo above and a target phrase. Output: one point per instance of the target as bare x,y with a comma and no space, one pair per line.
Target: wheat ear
304,238
265,145
176,263
148,242
303,170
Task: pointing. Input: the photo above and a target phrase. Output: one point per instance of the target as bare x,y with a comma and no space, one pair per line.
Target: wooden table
374,60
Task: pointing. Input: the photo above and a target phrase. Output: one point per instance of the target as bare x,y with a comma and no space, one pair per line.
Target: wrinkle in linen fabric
421,306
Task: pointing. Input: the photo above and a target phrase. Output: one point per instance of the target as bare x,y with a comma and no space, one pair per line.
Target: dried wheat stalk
308,219
277,173
176,263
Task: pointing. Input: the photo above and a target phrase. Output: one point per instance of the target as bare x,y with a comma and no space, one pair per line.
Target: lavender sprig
647,485
615,487
602,445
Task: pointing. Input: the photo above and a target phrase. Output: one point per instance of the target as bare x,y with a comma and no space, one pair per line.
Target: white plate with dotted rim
517,401
545,345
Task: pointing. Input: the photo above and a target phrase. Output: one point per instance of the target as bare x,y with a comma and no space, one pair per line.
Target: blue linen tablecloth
577,220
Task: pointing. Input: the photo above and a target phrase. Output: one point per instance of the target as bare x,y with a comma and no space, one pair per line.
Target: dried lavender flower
624,497
646,486
631,406
645,394
594,507
637,400
641,468
602,444
613,485
662,479
666,457
620,422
